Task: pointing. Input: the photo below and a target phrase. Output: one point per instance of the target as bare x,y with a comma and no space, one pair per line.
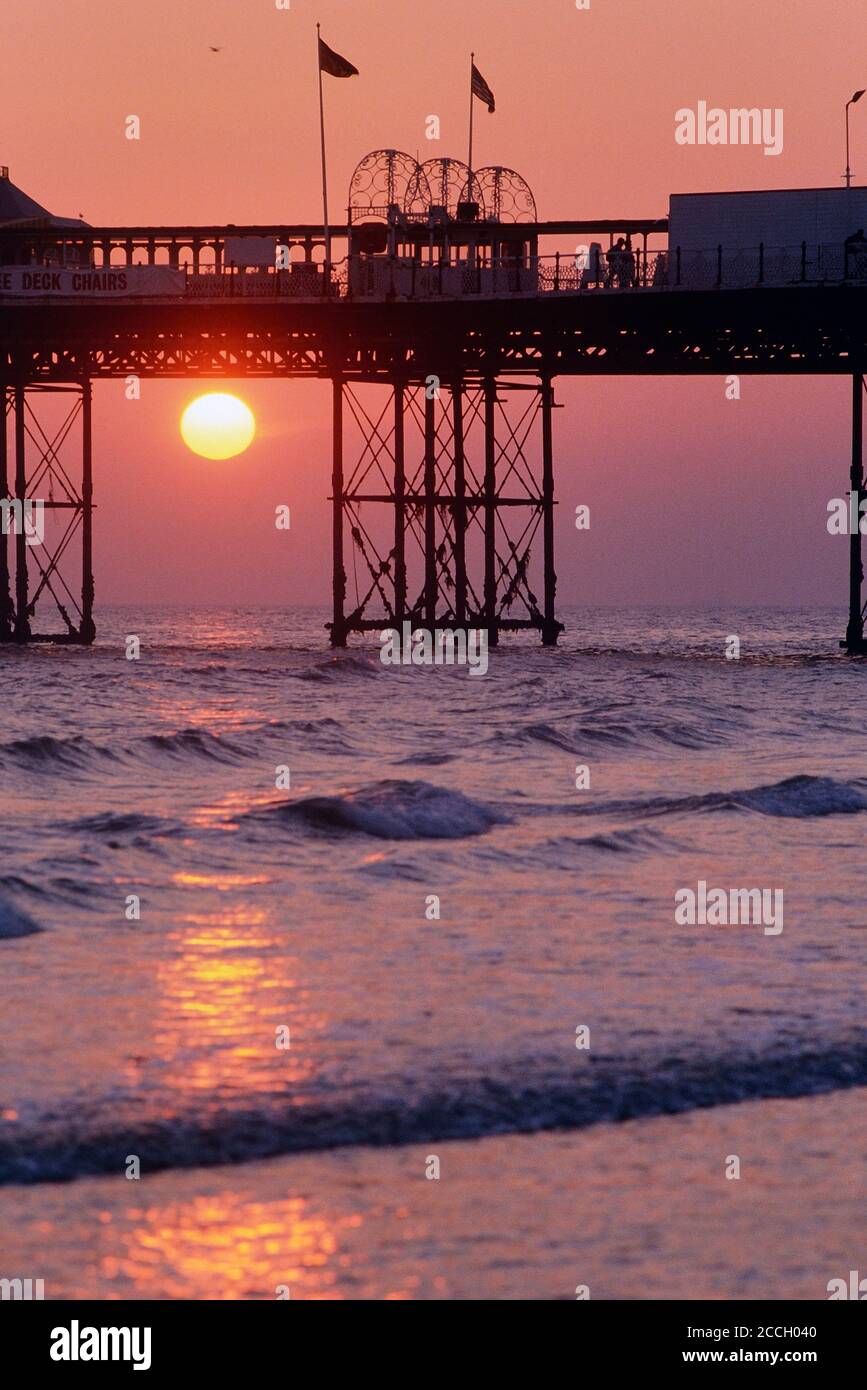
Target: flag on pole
482,90
331,62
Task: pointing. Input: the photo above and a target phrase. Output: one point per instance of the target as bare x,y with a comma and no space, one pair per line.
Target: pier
443,323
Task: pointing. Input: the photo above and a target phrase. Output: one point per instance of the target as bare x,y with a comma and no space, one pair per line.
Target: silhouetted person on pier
660,270
628,265
856,254
616,258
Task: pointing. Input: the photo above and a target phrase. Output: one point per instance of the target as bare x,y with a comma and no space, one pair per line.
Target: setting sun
218,425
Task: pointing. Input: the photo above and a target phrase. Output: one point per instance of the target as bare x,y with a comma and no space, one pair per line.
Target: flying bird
214,50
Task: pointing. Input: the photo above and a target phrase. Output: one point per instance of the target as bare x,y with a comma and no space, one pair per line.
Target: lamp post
851,102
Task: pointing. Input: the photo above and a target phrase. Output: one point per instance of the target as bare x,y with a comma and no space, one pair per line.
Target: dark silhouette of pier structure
443,327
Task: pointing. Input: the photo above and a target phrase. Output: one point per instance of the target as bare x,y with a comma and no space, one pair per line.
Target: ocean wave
426,759
636,841
197,743
561,853
641,733
388,810
14,923
339,668
308,726
804,796
122,823
522,1100
795,798
44,753
52,889
324,735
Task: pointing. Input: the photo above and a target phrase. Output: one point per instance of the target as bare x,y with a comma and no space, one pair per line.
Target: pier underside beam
446,485
47,514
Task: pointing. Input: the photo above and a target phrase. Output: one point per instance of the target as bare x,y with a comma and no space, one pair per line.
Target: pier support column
442,498
86,629
338,622
53,513
430,513
7,608
551,628
22,618
854,643
460,505
490,512
399,506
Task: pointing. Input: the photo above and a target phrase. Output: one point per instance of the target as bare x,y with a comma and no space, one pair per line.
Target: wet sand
640,1210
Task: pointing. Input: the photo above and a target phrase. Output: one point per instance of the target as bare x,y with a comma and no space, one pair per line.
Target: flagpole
324,176
470,152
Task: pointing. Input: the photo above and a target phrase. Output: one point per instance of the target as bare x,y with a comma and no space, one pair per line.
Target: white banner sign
115,282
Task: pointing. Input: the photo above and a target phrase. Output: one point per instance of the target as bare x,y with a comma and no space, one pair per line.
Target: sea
325,978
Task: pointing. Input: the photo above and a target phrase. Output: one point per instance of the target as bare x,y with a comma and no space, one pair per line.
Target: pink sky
691,495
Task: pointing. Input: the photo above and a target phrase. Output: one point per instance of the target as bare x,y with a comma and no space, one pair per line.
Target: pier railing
395,277
363,277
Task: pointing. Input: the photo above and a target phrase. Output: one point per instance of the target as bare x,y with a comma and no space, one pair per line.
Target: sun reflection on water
223,1246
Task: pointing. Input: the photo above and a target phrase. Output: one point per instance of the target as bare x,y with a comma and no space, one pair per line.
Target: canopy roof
17,209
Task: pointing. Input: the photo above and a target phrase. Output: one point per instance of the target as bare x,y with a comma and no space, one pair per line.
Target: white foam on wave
397,810
14,923
804,797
